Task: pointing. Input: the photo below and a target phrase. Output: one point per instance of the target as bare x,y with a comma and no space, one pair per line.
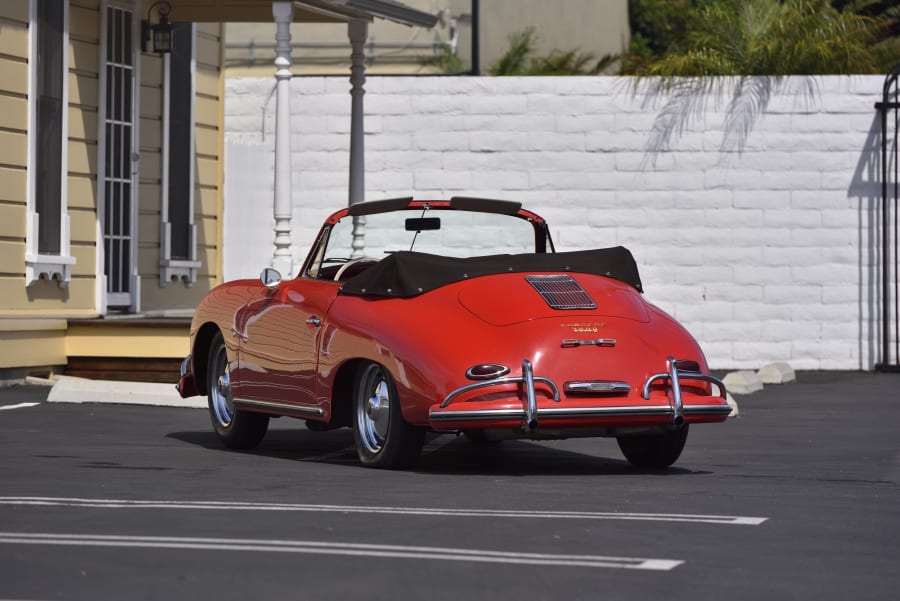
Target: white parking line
18,406
425,511
329,548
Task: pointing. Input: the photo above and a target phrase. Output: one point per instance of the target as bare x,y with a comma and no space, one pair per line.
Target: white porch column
283,12
357,31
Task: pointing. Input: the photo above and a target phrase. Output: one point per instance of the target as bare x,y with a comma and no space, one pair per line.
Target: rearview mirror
421,224
270,278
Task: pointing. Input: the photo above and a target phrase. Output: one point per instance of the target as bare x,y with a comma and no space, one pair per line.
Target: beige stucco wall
596,27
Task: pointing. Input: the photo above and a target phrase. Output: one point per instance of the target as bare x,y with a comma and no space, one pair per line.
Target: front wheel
654,450
236,429
383,438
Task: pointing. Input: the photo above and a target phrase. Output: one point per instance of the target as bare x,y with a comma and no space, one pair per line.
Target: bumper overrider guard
187,384
530,413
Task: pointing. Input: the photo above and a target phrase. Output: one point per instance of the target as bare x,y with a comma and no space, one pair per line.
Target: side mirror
270,278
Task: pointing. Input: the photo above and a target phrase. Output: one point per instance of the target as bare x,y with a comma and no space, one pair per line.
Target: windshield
449,233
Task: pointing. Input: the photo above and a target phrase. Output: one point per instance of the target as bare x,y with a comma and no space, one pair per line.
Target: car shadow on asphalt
444,454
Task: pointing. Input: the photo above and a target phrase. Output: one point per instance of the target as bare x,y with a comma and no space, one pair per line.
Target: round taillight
486,371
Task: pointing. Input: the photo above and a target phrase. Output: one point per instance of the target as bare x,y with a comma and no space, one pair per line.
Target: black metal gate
889,107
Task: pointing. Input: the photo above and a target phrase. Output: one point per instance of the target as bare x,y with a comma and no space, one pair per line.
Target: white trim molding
43,265
178,269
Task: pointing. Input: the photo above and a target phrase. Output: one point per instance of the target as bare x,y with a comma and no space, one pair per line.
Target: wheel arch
200,353
342,392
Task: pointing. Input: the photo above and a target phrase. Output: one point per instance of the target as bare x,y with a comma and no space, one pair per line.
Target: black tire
383,438
654,450
235,428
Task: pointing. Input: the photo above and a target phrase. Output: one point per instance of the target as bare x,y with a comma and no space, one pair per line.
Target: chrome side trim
280,407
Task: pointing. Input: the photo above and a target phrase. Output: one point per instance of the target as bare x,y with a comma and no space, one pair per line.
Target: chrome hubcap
220,393
374,410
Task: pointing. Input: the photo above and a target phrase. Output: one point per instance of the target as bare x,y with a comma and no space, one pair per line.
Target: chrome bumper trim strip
569,412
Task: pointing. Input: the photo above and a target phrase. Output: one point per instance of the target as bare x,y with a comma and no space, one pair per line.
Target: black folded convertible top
405,274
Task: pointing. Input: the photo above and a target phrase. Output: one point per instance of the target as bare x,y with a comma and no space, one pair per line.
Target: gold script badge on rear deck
584,327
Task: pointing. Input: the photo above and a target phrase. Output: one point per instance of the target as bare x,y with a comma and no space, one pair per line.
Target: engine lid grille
561,292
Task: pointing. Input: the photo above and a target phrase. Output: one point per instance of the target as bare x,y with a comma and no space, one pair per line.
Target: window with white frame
47,236
178,248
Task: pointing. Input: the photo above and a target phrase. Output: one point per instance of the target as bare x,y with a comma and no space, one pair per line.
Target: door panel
280,340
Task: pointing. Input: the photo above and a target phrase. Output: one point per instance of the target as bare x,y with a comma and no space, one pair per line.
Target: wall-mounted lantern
163,40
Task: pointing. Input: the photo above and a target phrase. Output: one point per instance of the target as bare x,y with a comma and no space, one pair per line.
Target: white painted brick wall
764,254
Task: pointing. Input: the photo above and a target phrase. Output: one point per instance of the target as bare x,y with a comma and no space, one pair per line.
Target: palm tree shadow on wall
687,101
865,189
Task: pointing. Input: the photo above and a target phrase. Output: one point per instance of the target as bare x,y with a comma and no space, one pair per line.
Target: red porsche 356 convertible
451,316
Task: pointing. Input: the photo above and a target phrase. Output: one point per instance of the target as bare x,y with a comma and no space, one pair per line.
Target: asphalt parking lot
798,498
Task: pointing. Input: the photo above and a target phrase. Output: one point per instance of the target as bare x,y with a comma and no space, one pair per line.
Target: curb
68,389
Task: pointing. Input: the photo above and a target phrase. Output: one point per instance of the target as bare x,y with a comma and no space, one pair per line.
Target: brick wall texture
750,206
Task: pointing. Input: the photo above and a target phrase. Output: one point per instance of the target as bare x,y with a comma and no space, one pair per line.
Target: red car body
536,345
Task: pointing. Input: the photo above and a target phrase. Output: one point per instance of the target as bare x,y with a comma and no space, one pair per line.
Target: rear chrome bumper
676,412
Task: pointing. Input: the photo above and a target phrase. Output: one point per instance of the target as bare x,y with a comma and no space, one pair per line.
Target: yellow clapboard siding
148,230
120,341
207,171
82,226
151,104
207,230
82,191
14,11
13,113
82,157
85,260
83,124
151,134
207,141
206,201
14,38
151,166
13,148
84,56
12,221
151,70
12,254
33,348
84,24
207,81
83,90
15,184
75,299
14,75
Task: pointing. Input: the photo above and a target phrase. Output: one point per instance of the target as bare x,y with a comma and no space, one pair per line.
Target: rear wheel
236,429
383,438
654,450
